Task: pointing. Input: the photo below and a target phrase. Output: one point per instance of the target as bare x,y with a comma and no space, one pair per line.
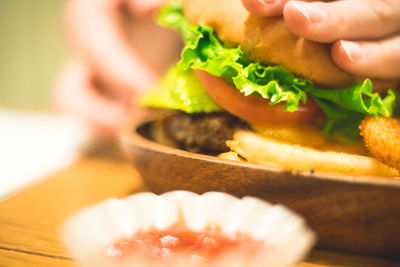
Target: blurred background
32,49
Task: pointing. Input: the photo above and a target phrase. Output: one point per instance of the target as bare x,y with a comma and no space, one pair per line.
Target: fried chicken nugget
382,138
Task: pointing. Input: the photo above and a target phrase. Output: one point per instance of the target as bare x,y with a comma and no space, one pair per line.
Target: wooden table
30,220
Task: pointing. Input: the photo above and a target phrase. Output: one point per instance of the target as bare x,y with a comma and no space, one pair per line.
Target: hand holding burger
364,33
258,70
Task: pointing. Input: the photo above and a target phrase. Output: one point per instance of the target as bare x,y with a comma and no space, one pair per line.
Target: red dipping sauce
165,245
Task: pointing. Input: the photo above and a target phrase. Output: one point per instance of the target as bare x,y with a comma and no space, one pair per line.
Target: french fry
308,136
304,135
265,151
230,155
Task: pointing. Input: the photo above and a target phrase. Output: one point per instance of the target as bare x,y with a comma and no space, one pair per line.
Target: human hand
116,55
365,33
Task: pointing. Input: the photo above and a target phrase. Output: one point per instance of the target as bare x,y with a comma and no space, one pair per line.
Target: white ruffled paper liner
285,236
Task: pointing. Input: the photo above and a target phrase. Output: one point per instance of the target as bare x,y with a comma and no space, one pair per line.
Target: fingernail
352,50
313,13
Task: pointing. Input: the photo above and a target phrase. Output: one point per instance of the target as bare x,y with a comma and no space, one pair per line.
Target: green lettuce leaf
343,108
203,50
171,16
181,90
359,98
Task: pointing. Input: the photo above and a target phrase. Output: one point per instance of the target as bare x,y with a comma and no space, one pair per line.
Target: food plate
348,213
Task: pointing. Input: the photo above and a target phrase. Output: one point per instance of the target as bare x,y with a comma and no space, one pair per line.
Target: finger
74,92
349,20
380,59
96,30
264,8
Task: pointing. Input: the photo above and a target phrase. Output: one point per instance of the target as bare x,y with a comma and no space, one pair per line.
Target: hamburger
245,82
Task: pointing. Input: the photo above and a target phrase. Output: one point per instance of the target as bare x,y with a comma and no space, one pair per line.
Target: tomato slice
254,108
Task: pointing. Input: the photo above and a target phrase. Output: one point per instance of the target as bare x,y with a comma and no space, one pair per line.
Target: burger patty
202,133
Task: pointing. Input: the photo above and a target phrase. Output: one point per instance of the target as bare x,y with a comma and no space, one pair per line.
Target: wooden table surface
30,220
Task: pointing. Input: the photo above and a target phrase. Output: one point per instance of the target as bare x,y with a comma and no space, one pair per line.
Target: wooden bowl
354,214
